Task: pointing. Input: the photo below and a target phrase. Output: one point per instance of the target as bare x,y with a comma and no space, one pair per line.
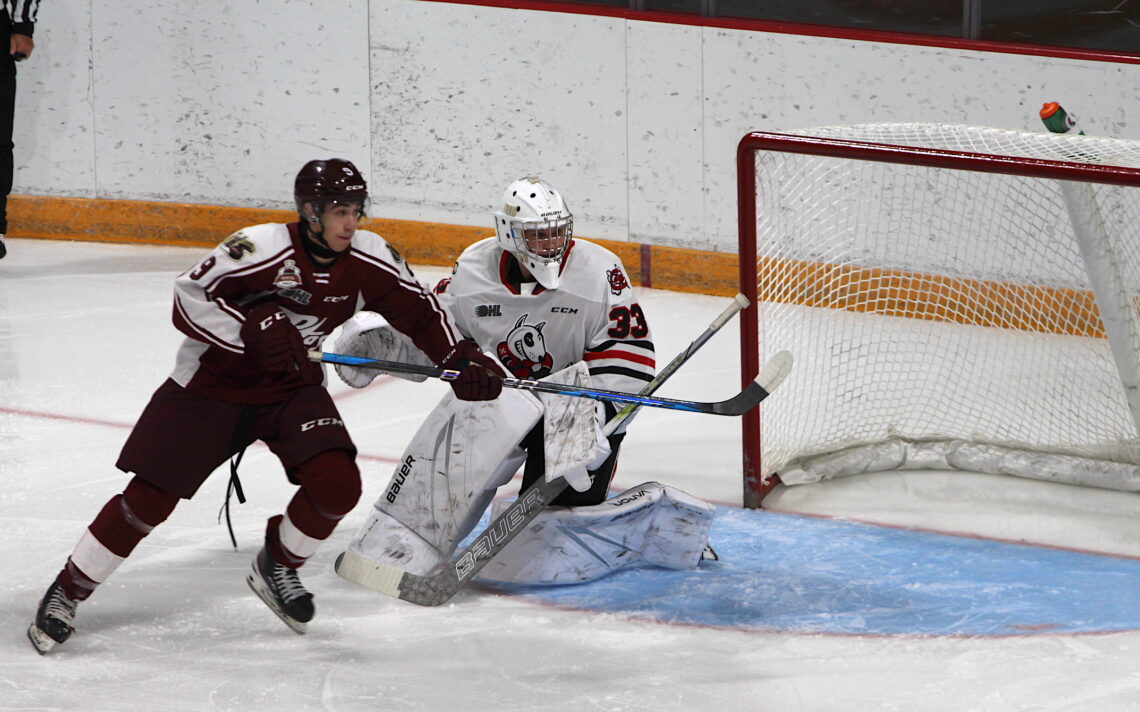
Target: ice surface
85,338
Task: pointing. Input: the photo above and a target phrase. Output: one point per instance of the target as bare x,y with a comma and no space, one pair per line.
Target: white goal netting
944,317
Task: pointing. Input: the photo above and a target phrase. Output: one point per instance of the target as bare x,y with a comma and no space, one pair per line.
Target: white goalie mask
535,226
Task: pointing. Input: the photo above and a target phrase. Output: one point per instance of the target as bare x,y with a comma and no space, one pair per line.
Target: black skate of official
281,589
54,619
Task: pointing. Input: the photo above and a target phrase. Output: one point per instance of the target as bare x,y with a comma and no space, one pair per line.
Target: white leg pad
386,540
447,476
650,523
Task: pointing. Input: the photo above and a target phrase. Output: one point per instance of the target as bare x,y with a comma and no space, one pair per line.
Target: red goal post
801,249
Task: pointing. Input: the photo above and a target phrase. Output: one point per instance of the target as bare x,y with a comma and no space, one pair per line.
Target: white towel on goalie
651,523
460,455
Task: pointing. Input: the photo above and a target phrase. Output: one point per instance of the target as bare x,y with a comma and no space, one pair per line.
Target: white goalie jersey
593,315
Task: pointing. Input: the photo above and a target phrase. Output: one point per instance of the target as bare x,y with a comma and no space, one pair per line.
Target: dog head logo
523,352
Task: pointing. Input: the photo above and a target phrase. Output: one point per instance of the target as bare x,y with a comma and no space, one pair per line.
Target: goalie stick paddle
739,404
436,589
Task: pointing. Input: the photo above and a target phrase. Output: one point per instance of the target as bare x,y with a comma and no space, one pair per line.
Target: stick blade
370,574
775,371
771,375
422,590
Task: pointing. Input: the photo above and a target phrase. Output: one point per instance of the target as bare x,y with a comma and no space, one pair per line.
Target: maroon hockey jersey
268,263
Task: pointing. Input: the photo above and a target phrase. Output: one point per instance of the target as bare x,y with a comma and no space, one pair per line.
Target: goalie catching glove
369,335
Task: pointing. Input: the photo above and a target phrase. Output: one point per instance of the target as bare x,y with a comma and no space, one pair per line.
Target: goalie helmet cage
956,297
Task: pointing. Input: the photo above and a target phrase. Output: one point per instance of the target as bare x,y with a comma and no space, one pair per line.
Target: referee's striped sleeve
22,11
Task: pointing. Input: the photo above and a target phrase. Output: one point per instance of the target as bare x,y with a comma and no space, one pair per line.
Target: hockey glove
272,341
368,335
479,375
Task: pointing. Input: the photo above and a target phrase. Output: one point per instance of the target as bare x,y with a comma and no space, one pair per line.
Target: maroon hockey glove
480,378
272,341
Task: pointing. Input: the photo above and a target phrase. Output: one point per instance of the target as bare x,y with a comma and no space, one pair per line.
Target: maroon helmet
334,181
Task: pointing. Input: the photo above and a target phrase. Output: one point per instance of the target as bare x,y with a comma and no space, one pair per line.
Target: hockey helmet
535,225
329,182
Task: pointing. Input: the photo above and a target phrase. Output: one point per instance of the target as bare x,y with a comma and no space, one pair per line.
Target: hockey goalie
547,307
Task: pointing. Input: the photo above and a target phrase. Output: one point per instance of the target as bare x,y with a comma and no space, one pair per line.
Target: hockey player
250,310
547,306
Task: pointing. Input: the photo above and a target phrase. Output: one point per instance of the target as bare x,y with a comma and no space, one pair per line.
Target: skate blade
256,585
41,641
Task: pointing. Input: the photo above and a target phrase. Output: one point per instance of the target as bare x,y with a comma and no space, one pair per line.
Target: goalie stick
739,404
436,589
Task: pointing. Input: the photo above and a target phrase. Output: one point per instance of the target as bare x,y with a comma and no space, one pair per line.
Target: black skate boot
281,589
54,617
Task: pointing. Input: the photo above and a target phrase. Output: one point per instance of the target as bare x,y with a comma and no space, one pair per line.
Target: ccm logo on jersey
563,310
321,421
398,480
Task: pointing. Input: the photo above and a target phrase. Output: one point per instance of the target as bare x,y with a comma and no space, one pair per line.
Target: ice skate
54,618
281,589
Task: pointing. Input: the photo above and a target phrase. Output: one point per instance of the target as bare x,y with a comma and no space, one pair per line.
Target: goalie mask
331,182
535,226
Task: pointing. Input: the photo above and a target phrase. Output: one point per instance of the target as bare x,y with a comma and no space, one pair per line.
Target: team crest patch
617,280
288,283
237,244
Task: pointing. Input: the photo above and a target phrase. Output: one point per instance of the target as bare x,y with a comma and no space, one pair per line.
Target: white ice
85,337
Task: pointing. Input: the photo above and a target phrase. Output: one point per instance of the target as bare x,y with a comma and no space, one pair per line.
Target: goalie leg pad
448,474
651,523
386,540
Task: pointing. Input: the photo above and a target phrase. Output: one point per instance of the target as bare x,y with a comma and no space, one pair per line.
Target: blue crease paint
792,573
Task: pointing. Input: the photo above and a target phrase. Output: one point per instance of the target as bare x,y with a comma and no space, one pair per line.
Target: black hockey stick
439,588
739,404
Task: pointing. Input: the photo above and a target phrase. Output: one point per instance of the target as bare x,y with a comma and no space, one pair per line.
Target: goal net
954,296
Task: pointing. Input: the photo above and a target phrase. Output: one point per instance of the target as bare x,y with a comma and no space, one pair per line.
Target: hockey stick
439,588
739,404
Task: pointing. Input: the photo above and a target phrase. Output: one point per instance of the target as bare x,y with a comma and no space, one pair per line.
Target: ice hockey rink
927,591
